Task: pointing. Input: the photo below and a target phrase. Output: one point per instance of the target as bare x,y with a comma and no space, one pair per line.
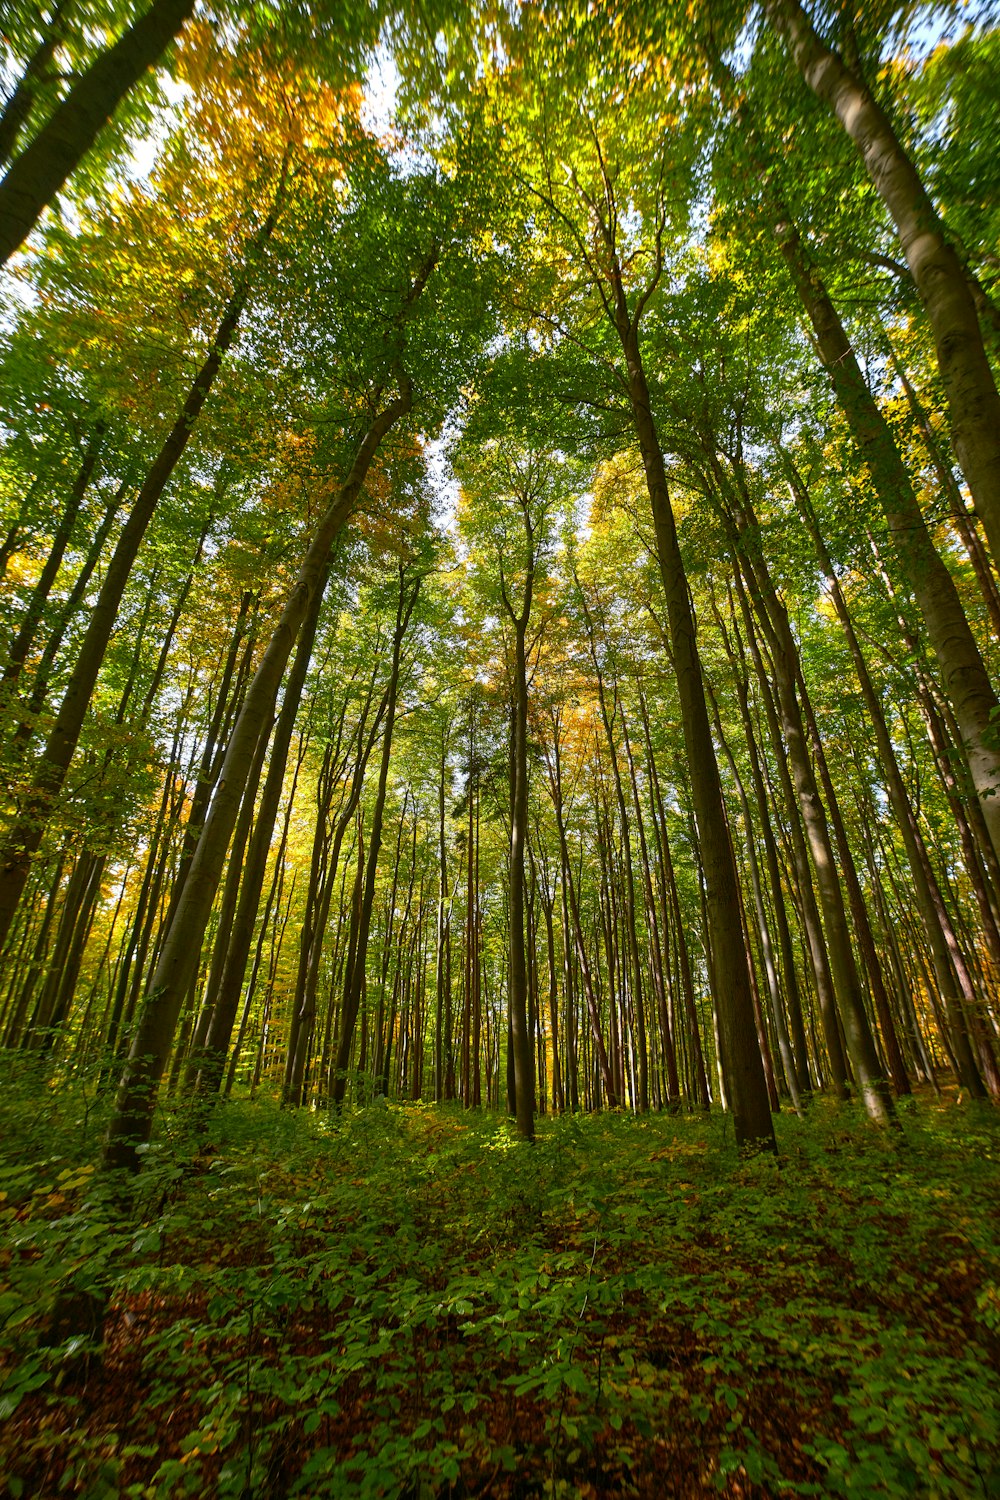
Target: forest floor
408,1302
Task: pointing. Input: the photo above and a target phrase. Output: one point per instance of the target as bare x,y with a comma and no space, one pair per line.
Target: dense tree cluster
501,604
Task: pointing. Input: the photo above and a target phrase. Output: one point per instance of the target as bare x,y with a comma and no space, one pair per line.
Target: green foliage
408,1301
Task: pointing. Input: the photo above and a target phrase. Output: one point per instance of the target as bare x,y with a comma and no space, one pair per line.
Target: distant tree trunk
548,900
26,836
524,1071
272,903
847,983
77,916
22,642
670,899
442,1001
766,947
132,1120
313,932
656,948
812,926
198,1055
390,942
574,935
240,936
354,979
641,1097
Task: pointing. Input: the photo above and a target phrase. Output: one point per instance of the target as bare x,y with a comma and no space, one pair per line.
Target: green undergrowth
410,1302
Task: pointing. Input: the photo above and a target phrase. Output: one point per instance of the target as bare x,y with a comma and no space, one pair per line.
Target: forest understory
410,1301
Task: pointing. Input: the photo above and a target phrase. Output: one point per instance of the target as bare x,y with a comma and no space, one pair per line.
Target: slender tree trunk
573,930
22,642
940,279
641,1093
766,947
272,903
19,106
671,901
656,947
926,892
355,973
26,837
50,651
733,996
240,936
42,168
964,676
442,1001
548,910
198,1055
132,1121
524,1070
812,926
846,980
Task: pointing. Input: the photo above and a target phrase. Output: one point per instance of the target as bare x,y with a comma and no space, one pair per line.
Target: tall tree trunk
26,837
272,903
132,1120
733,996
21,101
42,168
41,678
940,279
657,963
524,1070
964,675
671,902
641,1093
442,996
928,896
573,938
847,985
766,947
240,937
354,980
22,642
